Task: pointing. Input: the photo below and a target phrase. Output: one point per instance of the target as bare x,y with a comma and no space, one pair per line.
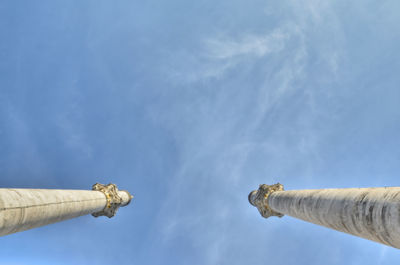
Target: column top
259,199
115,199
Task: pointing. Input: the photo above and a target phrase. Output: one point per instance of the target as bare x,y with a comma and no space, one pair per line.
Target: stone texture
259,199
114,197
23,209
370,213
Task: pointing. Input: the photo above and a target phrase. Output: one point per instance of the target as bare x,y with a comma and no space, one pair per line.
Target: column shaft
371,213
23,209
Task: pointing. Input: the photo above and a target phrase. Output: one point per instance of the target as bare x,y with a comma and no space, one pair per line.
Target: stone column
370,213
23,209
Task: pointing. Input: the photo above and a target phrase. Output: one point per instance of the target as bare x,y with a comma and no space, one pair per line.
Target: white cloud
253,45
220,54
230,127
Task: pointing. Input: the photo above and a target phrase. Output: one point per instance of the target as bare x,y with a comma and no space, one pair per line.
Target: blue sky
190,106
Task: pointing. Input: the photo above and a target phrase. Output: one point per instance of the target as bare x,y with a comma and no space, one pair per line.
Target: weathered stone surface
259,199
370,213
114,197
23,209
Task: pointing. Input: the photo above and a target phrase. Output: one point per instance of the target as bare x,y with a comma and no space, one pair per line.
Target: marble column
23,209
370,213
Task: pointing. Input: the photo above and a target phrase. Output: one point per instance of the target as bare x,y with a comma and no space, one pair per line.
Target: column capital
114,201
259,199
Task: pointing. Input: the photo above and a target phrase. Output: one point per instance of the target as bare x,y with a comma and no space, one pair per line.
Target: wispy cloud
220,54
235,133
226,124
249,45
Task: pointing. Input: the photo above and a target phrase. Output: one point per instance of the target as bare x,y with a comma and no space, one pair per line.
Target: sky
190,105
